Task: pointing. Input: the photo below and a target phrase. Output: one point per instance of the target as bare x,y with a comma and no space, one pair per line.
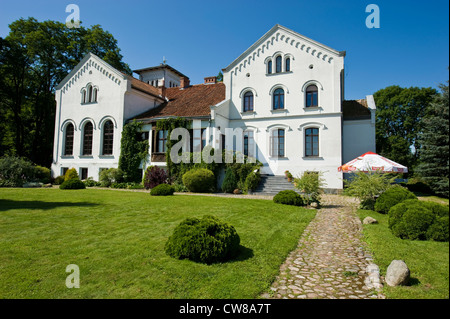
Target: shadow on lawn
242,254
7,204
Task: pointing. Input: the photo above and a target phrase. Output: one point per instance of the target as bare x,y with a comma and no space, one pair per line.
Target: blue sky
199,38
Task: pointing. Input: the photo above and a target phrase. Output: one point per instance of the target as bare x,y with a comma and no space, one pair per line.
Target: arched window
108,138
312,142
278,64
277,142
88,132
248,102
278,99
68,140
269,67
90,92
288,64
83,96
312,98
94,97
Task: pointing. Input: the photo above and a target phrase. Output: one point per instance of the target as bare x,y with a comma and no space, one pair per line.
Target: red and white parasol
372,162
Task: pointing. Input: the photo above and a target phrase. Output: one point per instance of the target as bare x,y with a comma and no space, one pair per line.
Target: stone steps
272,185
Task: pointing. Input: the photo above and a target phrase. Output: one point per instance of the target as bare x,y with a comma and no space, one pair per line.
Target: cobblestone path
330,261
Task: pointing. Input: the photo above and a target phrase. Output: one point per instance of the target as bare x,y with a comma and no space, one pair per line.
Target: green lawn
428,261
117,239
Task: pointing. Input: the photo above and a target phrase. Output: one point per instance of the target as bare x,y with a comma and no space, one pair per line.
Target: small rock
369,220
397,274
314,205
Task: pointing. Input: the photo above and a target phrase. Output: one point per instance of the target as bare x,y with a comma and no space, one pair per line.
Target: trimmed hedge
288,197
73,183
199,180
207,240
162,190
392,197
414,219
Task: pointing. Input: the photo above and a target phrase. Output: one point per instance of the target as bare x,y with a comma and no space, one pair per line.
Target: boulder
397,274
369,220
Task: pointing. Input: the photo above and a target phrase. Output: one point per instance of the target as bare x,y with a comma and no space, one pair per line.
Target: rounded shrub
288,197
439,230
162,190
73,183
410,219
392,197
207,240
199,180
71,173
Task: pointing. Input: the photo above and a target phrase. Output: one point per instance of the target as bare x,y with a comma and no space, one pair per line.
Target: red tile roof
144,87
193,101
355,110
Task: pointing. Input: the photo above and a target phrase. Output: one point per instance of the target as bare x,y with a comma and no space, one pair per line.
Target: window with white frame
249,143
277,143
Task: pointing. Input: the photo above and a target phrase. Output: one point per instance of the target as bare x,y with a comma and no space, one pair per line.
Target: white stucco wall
358,138
310,63
116,102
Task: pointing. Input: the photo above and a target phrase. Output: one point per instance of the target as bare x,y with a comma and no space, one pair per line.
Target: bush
111,175
162,190
207,240
154,176
71,174
42,174
230,181
90,182
288,197
200,180
392,197
252,181
310,183
419,187
73,183
119,185
366,186
59,180
410,219
15,171
439,230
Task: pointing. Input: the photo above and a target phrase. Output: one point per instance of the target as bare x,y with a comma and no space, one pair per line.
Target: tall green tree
434,154
34,57
399,122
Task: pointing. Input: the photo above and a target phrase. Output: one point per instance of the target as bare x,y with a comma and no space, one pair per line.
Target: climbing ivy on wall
169,125
132,151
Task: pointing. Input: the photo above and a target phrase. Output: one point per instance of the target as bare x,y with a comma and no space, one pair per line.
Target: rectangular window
161,140
197,140
312,142
84,173
64,170
249,144
277,143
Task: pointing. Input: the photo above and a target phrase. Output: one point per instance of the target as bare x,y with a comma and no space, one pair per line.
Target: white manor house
286,93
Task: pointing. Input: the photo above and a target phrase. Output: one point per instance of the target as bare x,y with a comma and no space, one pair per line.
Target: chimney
184,82
210,80
162,89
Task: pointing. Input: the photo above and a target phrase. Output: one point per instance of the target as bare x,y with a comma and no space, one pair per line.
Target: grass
117,239
428,261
